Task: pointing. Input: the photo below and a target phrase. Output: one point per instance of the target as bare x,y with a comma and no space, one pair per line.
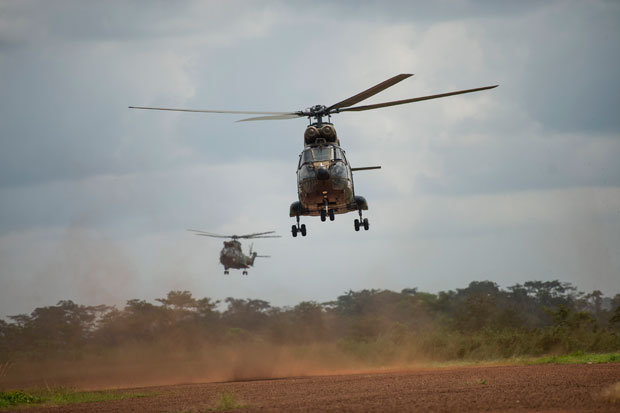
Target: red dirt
548,388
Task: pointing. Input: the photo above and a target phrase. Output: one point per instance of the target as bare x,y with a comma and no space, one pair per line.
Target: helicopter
324,176
232,255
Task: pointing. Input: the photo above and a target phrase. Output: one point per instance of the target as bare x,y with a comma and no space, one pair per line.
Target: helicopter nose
322,174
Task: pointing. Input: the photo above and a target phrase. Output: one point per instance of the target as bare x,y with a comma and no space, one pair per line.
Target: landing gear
362,222
298,228
226,272
327,211
245,272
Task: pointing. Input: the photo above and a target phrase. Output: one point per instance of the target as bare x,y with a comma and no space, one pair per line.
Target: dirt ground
544,388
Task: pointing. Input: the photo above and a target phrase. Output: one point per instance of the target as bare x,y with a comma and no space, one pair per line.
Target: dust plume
164,363
183,339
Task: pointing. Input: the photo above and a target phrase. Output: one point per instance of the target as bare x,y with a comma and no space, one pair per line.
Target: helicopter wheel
225,272
366,224
323,215
302,229
294,230
356,223
331,215
245,273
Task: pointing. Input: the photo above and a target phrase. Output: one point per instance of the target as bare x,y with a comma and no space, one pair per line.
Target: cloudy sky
518,183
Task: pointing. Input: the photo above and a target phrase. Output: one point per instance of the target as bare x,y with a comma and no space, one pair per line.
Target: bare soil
543,388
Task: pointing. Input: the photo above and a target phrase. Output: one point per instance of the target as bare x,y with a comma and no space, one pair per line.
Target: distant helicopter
231,255
324,176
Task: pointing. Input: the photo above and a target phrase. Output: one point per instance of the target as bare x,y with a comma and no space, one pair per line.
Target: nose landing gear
327,211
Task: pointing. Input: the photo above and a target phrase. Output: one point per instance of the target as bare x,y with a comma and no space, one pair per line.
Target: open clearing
555,388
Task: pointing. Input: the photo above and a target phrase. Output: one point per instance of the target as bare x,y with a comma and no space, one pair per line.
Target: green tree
595,300
308,321
64,326
247,314
178,301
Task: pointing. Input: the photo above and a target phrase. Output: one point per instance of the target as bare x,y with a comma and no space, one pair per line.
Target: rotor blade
210,234
255,234
214,236
238,112
402,102
199,230
365,168
263,256
370,92
267,236
274,117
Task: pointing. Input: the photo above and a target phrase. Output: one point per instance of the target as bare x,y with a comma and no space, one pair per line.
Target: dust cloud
143,365
182,339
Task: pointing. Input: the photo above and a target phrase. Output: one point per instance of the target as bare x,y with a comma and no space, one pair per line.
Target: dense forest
180,338
480,321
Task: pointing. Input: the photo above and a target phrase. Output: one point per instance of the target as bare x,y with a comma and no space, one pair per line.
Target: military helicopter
324,176
231,255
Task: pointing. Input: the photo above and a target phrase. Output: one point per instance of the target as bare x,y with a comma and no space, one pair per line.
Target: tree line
535,317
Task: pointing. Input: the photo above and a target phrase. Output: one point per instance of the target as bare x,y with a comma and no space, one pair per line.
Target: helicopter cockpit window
306,156
322,154
317,154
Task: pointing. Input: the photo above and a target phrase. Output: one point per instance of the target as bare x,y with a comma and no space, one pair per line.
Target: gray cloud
512,184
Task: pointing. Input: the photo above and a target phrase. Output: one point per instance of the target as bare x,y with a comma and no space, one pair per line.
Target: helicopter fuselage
232,256
324,180
324,176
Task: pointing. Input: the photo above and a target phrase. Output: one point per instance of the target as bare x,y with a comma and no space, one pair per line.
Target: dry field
541,388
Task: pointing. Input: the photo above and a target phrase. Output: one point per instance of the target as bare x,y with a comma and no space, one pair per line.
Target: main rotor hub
317,112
